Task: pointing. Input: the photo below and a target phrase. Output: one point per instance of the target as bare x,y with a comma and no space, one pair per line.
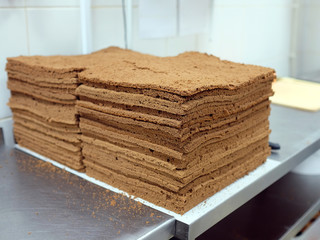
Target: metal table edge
201,225
165,231
294,229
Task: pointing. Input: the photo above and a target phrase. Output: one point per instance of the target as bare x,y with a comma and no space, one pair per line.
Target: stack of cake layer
174,130
43,101
43,104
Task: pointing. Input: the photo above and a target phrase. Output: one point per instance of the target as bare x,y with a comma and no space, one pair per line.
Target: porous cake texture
171,130
174,130
43,105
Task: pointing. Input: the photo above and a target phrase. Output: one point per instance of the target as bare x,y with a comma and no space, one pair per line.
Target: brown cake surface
43,94
172,130
185,74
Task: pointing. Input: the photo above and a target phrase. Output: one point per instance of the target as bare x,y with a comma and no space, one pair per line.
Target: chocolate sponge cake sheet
69,80
59,133
64,69
49,147
185,74
214,110
42,121
171,130
170,137
174,130
121,159
43,105
52,112
179,203
71,147
172,133
55,95
51,68
166,158
138,100
102,131
168,183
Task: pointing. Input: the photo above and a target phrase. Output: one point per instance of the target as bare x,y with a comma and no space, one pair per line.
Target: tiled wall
250,31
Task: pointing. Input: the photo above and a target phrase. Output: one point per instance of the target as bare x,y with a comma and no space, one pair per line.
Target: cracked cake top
185,74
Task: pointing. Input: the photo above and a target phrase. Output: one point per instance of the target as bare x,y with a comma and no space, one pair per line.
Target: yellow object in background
296,93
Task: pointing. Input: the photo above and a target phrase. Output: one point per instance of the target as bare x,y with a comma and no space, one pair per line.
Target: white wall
308,49
255,32
250,31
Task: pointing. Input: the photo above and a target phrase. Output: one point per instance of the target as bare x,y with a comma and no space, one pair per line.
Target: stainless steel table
39,201
278,212
298,133
30,198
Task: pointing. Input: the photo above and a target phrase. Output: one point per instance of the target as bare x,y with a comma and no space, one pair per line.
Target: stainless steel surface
7,132
39,201
310,166
313,232
307,172
302,221
164,231
279,212
235,195
298,133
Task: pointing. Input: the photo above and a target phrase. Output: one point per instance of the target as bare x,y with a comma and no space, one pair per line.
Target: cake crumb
113,203
37,213
152,214
29,233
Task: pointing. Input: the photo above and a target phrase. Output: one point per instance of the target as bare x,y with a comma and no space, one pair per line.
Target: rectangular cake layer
48,147
160,136
169,200
171,130
43,104
52,112
51,94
